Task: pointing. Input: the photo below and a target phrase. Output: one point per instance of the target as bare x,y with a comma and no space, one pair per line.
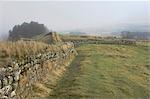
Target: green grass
107,72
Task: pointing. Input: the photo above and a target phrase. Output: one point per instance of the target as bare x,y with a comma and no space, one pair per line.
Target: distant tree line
135,35
27,30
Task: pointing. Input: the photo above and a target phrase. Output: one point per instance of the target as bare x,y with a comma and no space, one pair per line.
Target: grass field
107,72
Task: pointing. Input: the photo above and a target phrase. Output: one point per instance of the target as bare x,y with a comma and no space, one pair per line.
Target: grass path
66,85
107,72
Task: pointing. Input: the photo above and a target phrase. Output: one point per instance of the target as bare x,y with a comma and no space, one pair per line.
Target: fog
65,16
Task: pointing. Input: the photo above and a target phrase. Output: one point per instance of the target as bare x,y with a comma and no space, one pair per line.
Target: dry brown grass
20,48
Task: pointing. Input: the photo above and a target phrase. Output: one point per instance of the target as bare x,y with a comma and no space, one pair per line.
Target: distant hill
27,30
112,30
135,35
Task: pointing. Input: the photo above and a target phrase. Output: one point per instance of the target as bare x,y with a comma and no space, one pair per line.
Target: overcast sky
73,15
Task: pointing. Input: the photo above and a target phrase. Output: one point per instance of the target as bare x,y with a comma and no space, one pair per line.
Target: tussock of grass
40,89
20,48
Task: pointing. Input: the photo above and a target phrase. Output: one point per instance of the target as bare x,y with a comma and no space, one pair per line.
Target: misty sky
61,16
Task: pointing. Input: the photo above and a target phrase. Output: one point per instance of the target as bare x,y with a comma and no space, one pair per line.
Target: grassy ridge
107,71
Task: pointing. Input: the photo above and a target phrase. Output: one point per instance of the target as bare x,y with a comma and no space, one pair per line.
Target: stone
10,79
13,93
16,75
16,66
4,97
22,68
1,93
29,69
39,55
10,69
35,61
0,84
27,85
15,85
5,81
7,89
23,62
2,70
27,66
32,63
36,66
20,63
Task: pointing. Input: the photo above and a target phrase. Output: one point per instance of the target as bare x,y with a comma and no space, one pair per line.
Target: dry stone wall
17,78
105,41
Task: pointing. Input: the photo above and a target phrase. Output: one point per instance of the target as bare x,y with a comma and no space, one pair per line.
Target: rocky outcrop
17,78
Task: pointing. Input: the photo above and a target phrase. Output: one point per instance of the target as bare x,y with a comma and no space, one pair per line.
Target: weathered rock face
17,79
